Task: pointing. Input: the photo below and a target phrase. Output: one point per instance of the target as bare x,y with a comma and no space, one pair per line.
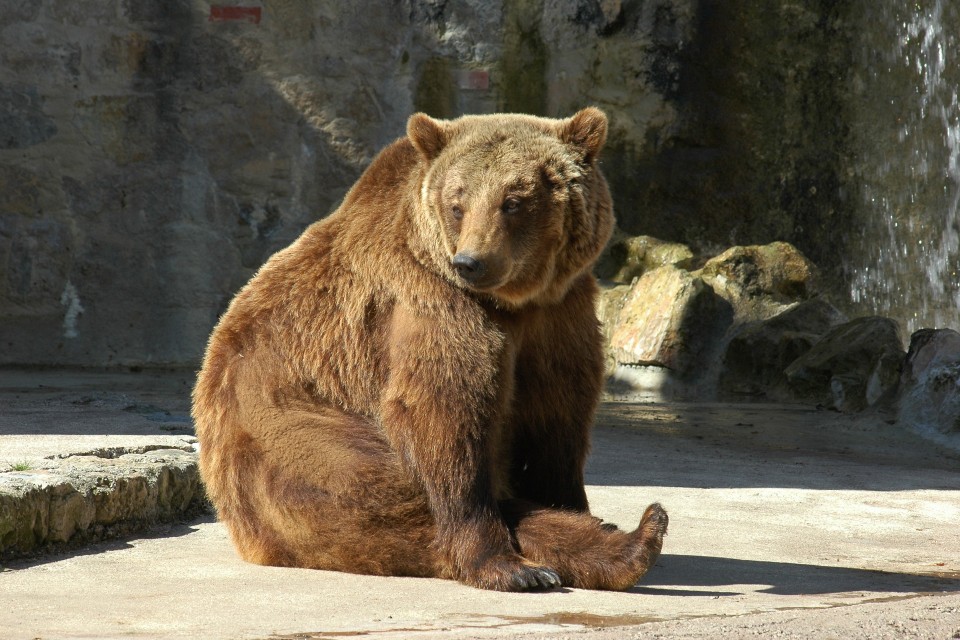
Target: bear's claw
536,579
546,578
515,574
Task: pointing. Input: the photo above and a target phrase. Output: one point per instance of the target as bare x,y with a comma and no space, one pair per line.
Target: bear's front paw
515,574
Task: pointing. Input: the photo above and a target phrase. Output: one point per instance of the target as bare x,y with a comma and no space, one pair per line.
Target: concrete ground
784,522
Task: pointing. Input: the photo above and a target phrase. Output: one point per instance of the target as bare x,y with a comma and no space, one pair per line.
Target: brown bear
408,389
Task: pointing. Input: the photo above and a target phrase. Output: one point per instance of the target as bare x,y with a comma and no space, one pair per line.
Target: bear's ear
429,136
587,129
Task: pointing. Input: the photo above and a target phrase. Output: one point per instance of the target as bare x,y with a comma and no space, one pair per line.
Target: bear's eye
457,212
511,206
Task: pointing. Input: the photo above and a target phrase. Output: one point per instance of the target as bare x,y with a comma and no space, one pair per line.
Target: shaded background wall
154,154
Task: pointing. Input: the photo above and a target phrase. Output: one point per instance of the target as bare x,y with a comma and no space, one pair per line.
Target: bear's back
314,316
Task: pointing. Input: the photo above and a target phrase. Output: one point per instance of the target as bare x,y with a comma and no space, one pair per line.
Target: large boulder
628,257
852,367
668,326
759,280
609,303
930,384
756,358
670,319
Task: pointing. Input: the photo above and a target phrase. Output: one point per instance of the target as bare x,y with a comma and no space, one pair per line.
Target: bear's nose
469,268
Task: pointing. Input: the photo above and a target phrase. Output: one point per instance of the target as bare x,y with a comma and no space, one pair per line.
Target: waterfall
904,261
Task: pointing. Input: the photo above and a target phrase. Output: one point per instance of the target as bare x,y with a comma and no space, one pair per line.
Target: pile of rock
749,323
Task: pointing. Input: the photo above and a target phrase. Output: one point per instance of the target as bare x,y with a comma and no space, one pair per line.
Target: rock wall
153,154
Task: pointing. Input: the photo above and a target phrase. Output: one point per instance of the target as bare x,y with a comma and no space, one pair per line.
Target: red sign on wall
220,13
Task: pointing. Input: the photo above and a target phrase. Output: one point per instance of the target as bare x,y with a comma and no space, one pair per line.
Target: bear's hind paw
648,537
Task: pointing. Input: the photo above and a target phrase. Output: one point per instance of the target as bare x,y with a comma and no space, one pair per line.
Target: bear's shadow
681,575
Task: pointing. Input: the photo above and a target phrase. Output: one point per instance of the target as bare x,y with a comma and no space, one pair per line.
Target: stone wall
153,154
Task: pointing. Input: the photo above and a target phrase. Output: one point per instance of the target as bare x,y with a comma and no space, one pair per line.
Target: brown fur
363,408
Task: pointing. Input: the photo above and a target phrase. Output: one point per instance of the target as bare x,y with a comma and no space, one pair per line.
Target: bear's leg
559,376
442,411
584,552
321,489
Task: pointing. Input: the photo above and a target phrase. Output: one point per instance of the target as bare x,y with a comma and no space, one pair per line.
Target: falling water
905,259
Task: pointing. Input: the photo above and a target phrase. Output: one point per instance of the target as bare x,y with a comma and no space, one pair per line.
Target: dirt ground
785,521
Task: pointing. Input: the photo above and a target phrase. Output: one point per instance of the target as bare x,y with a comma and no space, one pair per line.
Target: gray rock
756,358
852,367
930,385
929,349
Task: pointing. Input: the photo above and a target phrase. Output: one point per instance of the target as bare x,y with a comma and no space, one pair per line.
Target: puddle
558,619
582,619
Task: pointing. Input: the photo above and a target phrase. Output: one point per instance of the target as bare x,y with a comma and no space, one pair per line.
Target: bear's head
513,207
